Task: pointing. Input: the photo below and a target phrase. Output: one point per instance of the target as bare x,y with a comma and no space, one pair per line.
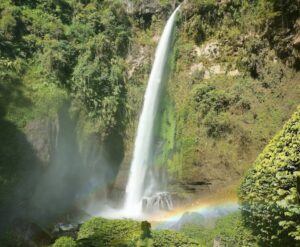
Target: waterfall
140,171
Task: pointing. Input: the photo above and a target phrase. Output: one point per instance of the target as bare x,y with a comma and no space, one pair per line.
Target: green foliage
56,61
228,230
65,242
196,29
209,99
166,238
233,20
270,201
40,24
53,52
98,80
103,232
211,103
224,120
78,47
217,125
146,229
9,239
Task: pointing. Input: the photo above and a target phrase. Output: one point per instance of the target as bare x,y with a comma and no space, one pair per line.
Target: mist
79,173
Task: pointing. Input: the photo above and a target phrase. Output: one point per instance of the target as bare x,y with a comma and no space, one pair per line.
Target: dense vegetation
234,82
227,230
270,191
62,68
101,232
78,46
229,71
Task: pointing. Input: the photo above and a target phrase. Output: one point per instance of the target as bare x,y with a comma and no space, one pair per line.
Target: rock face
42,135
161,201
65,229
146,7
63,170
210,50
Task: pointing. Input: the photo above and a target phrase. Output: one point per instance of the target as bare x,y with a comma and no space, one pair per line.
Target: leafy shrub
146,229
228,229
217,125
65,242
79,47
270,190
103,232
212,104
202,18
208,98
166,238
56,61
196,30
10,18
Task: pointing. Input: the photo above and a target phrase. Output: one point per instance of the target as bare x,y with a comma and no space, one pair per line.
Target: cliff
72,79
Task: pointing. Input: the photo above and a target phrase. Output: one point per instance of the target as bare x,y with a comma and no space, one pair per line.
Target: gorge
133,123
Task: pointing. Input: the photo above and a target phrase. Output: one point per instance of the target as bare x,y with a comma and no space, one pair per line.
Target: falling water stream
140,181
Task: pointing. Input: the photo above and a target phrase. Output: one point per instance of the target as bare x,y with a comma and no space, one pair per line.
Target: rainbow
220,203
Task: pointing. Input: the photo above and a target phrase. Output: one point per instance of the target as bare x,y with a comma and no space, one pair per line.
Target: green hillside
73,74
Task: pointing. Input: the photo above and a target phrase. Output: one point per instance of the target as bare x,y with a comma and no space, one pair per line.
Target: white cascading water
139,170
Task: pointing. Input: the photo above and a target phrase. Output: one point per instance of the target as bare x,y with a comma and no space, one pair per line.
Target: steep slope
233,85
62,103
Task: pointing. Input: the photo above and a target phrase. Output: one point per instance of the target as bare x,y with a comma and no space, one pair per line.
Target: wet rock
161,201
65,229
